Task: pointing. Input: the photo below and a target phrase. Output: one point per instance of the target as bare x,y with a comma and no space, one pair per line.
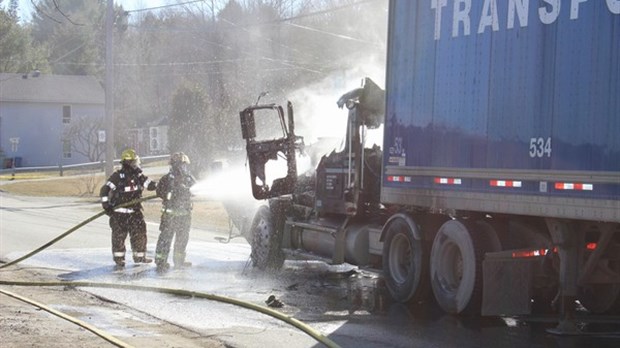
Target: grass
27,176
85,186
28,184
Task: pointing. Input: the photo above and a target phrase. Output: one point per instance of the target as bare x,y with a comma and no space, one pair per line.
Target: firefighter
123,186
176,218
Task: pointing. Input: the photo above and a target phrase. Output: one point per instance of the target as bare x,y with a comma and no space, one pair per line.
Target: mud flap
508,285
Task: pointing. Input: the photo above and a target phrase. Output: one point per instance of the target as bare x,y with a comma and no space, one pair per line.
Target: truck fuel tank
320,239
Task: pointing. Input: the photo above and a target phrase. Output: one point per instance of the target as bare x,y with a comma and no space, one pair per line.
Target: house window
66,149
14,144
66,114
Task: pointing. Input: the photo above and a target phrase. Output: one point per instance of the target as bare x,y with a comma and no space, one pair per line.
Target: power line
329,10
287,64
340,36
44,13
64,15
287,19
164,6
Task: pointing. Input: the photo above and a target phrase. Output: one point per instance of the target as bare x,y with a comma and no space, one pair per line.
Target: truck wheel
456,268
601,298
405,263
266,252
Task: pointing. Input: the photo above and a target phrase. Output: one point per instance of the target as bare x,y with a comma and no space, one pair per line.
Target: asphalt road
346,304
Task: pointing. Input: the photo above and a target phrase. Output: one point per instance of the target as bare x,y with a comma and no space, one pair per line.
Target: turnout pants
171,226
134,225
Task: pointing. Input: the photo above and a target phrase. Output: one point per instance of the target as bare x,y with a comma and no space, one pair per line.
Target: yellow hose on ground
71,230
115,341
181,292
292,321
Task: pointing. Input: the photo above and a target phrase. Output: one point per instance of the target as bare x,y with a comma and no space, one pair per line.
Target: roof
74,89
158,122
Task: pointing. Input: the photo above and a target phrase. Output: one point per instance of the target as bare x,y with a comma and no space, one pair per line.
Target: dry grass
207,214
85,185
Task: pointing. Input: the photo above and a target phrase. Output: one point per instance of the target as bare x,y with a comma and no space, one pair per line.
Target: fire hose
73,229
179,292
115,341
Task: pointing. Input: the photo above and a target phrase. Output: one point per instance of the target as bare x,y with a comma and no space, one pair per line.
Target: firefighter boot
119,264
142,260
162,267
182,265
179,260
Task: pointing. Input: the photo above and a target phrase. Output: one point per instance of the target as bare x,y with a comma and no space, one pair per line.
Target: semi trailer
496,189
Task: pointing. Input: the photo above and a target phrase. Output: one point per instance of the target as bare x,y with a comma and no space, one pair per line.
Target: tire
602,298
456,268
405,262
266,251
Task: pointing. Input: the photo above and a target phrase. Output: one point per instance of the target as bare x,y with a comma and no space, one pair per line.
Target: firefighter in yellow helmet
123,186
176,218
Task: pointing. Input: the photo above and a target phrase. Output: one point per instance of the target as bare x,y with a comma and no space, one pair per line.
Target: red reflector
399,178
448,181
529,253
573,186
542,252
505,183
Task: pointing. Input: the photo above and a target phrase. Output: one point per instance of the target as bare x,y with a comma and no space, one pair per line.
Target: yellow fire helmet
129,155
178,158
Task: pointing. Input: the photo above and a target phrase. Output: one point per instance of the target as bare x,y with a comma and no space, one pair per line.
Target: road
346,304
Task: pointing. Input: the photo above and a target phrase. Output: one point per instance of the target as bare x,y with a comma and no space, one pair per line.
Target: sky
26,8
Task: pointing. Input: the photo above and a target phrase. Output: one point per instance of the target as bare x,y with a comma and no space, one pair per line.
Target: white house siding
39,127
31,109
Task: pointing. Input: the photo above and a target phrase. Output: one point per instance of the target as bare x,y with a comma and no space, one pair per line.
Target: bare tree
236,49
84,137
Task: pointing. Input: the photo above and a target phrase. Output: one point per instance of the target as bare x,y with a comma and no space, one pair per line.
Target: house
151,140
50,120
158,139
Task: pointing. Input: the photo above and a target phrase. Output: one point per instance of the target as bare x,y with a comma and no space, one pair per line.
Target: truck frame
497,188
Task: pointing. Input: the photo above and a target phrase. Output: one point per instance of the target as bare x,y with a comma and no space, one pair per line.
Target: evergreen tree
189,129
18,54
73,33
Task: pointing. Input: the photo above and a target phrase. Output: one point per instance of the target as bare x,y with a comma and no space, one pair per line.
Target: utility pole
109,89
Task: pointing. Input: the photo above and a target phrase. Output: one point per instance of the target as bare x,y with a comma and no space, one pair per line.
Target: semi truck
496,190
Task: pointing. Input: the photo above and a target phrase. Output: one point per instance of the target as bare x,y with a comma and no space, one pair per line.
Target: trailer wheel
405,263
266,252
601,298
456,268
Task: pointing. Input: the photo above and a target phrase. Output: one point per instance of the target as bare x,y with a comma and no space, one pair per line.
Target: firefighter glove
109,209
152,186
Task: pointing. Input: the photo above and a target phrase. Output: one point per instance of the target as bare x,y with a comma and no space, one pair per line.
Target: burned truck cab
344,182
270,138
322,212
348,181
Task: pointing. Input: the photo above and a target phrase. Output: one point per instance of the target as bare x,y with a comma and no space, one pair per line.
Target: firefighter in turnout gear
176,218
123,186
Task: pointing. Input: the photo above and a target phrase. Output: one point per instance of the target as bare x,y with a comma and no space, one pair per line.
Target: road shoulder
22,325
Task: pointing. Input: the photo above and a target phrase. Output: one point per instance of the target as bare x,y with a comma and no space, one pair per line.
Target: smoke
225,184
316,114
230,186
317,118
